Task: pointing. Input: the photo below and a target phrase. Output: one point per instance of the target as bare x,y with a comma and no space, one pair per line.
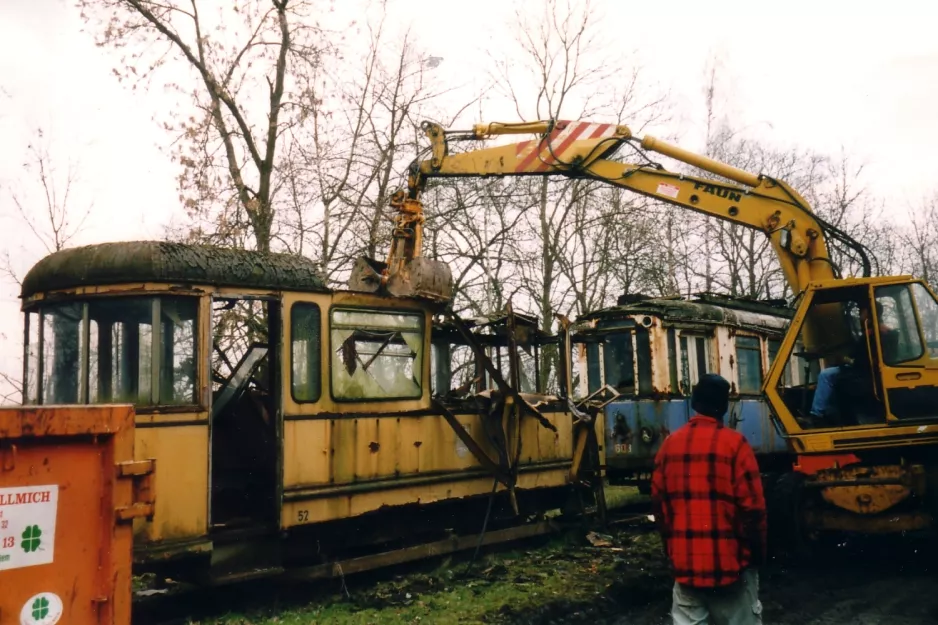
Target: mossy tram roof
176,263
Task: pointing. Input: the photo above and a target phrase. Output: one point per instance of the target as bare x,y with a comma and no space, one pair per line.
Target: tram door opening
245,411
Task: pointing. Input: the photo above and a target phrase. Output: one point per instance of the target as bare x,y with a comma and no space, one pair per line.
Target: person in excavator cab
830,383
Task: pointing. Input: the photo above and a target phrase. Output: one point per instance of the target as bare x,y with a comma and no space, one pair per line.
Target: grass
525,586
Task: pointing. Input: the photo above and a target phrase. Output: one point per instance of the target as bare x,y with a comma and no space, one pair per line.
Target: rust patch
374,447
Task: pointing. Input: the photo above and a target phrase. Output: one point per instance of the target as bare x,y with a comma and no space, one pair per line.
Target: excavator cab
875,364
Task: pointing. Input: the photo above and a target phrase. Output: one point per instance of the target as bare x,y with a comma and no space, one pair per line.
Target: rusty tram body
643,356
293,425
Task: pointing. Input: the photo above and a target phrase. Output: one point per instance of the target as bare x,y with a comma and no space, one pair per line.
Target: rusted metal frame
564,360
141,473
883,523
418,552
585,424
482,358
578,449
40,364
25,379
506,470
599,492
514,371
470,442
511,411
884,481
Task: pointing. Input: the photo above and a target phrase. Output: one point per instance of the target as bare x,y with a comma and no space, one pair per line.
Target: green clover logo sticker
31,540
40,607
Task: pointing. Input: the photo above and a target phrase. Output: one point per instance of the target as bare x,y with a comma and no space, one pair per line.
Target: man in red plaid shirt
708,502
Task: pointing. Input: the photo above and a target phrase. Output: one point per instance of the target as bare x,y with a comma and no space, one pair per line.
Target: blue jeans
738,605
823,395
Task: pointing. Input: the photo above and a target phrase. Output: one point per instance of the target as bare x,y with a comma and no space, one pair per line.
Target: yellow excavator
854,386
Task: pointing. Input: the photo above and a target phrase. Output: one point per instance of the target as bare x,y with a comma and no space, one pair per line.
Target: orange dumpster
69,490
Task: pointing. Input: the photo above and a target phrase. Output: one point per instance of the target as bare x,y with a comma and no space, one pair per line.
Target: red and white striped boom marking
552,149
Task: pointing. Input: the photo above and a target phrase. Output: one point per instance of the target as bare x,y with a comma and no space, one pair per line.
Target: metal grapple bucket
420,277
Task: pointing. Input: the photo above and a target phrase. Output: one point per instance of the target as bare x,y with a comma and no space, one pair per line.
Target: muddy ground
861,582
617,578
858,582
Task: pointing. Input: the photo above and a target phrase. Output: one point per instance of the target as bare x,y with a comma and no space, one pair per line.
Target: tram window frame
313,361
773,346
530,363
419,364
748,348
627,338
89,354
594,367
643,361
32,349
687,350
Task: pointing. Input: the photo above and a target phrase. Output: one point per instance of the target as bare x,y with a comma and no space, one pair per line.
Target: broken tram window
376,355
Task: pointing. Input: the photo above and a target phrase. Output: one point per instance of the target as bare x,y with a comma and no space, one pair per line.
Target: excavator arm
581,149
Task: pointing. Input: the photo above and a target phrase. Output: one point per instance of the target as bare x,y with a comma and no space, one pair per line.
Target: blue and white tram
649,352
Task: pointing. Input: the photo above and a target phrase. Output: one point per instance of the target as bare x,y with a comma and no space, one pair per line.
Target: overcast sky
819,75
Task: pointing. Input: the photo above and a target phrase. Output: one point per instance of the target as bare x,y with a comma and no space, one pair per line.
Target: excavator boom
580,149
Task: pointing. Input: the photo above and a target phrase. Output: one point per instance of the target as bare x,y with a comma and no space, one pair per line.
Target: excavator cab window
836,384
902,336
907,326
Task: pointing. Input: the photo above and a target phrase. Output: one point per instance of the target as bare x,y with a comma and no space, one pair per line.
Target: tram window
694,360
376,355
544,368
774,345
177,342
93,369
452,367
306,351
121,355
672,360
61,353
619,362
102,351
643,354
528,373
593,370
440,375
31,357
749,364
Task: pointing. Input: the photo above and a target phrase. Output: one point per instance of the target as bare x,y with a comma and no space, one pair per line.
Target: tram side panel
347,458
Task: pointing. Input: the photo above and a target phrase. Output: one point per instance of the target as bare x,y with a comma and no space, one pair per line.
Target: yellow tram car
291,425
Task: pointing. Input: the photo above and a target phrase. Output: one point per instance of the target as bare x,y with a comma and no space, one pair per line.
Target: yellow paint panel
306,452
346,450
181,454
369,449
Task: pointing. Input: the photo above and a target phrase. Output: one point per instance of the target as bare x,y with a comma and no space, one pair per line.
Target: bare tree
42,200
238,71
47,208
919,240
